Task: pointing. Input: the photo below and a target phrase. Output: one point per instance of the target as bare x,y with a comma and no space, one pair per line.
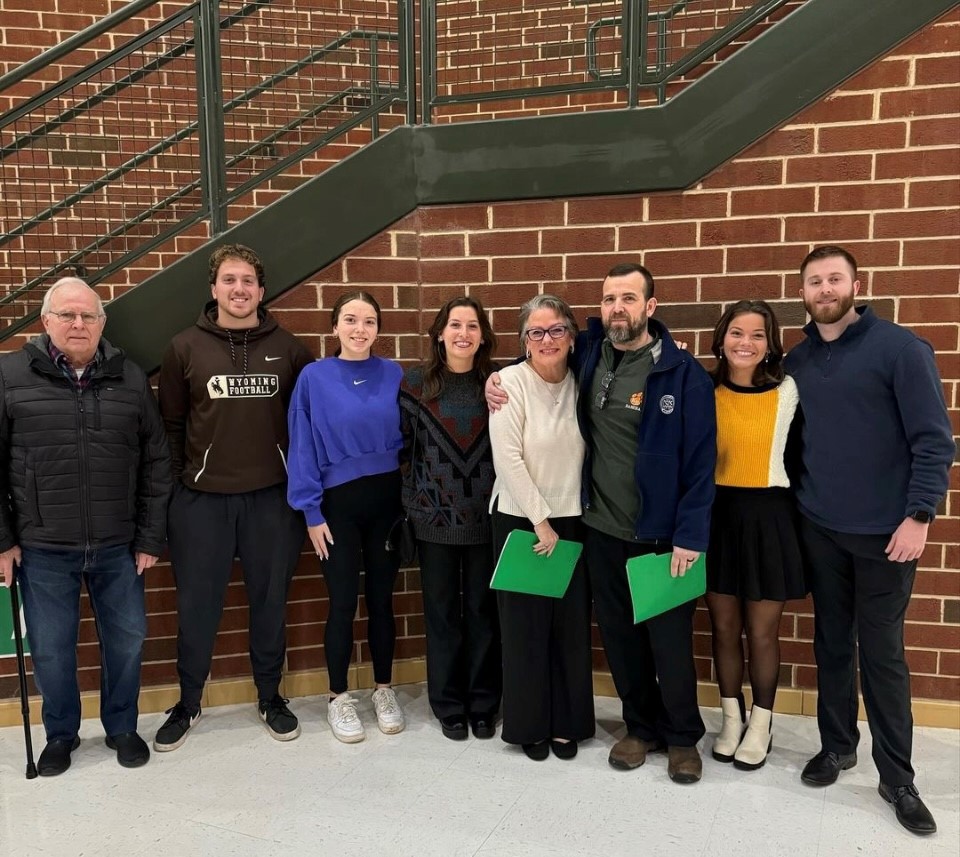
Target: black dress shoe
824,768
132,750
912,813
538,752
55,758
564,749
484,726
454,727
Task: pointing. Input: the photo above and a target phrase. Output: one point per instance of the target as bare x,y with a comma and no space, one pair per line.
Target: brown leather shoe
684,765
631,752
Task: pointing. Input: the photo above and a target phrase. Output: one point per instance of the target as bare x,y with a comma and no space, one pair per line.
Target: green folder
653,591
519,569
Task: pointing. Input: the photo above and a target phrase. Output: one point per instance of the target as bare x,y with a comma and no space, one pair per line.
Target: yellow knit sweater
752,428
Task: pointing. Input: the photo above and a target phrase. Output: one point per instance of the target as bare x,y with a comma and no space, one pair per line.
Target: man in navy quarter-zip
225,384
876,452
84,481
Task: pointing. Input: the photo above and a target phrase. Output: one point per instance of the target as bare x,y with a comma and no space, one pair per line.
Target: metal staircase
308,149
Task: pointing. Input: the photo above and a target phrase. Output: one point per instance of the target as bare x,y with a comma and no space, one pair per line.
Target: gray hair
68,281
551,302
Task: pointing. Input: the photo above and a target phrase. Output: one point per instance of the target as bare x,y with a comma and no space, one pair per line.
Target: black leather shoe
132,750
55,758
564,749
538,752
912,813
484,726
454,727
824,768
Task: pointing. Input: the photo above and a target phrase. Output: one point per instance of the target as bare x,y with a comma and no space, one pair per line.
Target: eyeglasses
71,317
606,382
558,331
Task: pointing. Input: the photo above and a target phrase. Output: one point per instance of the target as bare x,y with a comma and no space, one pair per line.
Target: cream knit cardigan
537,447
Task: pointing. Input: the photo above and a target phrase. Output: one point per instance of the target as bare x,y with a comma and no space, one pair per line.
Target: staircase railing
126,193
138,156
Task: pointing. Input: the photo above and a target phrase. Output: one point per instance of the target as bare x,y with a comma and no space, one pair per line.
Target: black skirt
754,548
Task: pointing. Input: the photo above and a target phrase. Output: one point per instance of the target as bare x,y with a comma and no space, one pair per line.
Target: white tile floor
231,791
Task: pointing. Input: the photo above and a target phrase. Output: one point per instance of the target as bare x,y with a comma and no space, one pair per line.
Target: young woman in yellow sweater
753,562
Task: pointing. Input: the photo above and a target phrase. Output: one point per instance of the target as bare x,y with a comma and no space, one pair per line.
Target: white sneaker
389,714
343,719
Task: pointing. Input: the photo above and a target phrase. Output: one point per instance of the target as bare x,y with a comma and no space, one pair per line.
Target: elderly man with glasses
84,480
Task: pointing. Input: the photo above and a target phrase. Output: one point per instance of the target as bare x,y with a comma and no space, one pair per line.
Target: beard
622,334
830,314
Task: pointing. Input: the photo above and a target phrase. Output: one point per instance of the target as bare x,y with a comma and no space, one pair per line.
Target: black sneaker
174,731
55,758
281,722
132,750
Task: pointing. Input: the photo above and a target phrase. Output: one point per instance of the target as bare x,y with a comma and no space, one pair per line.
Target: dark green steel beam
759,88
296,237
772,78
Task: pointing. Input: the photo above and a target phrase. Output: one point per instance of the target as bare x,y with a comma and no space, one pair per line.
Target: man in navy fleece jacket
877,448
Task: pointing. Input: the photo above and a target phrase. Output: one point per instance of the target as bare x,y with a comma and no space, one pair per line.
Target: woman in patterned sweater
753,562
444,421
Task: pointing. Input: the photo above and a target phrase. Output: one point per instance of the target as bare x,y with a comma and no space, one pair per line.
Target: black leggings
360,514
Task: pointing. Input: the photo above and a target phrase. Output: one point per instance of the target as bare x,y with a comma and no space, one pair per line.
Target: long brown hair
435,363
768,371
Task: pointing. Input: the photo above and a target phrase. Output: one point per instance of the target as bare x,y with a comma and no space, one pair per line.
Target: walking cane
22,672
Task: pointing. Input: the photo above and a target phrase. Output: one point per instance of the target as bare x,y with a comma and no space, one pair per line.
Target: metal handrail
379,96
118,86
167,202
67,46
188,130
658,74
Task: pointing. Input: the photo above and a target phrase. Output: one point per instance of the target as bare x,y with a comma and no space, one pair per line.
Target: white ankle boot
757,740
731,730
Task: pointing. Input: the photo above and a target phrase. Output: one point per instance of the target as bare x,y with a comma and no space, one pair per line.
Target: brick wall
875,166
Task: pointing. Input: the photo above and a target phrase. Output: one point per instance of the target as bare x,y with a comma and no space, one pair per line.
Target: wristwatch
921,517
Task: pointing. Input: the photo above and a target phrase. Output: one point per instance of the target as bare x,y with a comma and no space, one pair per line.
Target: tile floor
231,791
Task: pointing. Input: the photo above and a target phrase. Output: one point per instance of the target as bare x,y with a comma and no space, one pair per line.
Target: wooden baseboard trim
926,712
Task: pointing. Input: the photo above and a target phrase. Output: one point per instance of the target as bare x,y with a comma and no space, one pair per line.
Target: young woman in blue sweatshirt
344,476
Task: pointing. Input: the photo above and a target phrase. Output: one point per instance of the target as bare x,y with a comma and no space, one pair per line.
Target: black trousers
860,595
547,663
651,663
206,532
360,514
463,635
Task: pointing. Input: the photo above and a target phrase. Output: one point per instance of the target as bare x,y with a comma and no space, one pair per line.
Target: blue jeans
50,580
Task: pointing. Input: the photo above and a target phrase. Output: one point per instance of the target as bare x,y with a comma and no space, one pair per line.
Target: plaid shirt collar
63,362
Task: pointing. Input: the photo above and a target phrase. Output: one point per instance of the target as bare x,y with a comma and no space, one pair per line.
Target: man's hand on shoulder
494,394
8,559
907,541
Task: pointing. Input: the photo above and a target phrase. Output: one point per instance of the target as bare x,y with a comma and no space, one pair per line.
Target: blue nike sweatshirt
344,423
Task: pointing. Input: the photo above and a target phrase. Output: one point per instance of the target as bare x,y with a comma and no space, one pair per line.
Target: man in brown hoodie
225,384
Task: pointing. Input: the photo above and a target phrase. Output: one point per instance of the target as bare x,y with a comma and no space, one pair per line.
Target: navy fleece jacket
876,439
676,442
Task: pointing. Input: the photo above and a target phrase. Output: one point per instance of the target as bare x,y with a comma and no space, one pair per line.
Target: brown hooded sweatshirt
223,398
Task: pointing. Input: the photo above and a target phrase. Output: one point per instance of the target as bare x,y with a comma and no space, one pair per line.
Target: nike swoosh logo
271,359
361,381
